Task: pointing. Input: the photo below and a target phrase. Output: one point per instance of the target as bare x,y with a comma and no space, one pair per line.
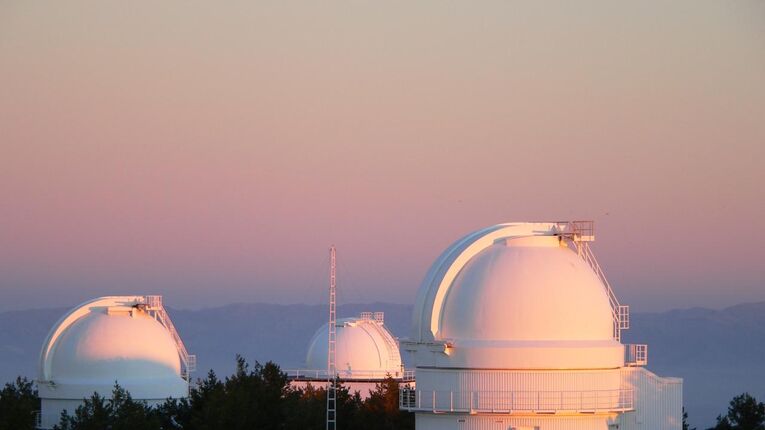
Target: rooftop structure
515,326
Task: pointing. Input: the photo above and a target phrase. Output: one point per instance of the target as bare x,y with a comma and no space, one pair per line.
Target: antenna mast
331,365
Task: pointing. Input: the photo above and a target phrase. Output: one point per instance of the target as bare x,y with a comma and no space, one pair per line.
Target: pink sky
212,153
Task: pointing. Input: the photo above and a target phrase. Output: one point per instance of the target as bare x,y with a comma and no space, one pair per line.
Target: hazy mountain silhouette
719,353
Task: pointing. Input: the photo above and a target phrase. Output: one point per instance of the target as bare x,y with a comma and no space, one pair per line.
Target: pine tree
18,405
744,413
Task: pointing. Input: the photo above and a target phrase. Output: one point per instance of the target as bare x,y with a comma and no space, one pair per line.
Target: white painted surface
514,329
365,350
526,289
103,341
658,401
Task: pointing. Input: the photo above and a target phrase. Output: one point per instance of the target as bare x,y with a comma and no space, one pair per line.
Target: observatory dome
114,345
111,339
365,349
516,295
526,289
515,326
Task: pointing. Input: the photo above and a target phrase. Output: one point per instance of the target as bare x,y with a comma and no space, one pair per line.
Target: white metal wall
658,401
517,380
478,422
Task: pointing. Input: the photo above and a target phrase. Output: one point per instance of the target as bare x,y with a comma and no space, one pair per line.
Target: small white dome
365,349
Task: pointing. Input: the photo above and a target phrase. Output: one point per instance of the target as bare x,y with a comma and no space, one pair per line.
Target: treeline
744,413
258,396
261,397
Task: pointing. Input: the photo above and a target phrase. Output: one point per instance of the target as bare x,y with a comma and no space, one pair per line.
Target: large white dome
365,349
515,296
516,326
526,289
106,340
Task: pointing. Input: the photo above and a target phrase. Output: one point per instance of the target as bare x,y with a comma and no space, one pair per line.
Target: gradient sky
211,152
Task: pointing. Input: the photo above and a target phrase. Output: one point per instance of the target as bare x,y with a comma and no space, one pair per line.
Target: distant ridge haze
719,353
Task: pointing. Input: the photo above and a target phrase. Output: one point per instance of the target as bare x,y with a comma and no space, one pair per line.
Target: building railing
154,305
321,374
378,317
635,354
581,233
508,402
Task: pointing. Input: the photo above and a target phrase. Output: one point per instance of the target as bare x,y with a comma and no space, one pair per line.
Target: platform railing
509,402
581,233
154,305
635,354
404,375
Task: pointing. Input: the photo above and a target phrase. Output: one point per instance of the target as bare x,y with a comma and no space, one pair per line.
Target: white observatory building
125,339
515,327
366,353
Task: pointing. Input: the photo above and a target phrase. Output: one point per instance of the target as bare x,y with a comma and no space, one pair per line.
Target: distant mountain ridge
719,353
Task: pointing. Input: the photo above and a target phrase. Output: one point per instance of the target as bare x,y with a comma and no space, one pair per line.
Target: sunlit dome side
524,289
103,347
520,291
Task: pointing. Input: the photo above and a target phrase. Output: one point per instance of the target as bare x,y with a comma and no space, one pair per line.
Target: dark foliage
253,397
120,412
381,412
744,413
18,405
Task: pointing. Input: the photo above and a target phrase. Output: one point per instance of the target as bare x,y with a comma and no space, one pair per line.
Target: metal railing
155,307
581,233
509,402
635,354
392,345
321,374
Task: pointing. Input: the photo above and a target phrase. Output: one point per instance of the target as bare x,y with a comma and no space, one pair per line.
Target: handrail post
434,400
451,401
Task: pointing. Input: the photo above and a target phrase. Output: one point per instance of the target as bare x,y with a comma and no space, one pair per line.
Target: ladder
331,350
392,345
